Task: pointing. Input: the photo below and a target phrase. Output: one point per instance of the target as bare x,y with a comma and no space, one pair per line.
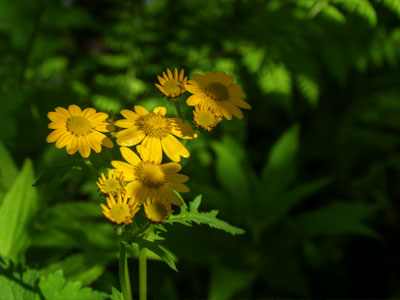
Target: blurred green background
311,173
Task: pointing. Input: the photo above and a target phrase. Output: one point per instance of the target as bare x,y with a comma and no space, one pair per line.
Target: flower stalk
142,274
124,272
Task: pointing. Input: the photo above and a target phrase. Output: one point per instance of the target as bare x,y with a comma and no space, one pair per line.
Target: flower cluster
141,179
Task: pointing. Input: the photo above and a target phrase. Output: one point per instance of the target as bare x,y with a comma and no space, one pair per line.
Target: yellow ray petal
130,137
54,135
171,168
140,110
125,168
130,156
56,117
74,110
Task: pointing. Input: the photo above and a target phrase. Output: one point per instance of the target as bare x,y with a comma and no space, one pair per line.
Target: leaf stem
142,274
124,272
178,109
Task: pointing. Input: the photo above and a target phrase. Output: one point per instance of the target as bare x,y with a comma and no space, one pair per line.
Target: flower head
157,210
155,131
170,85
113,184
206,117
149,178
218,91
120,211
79,130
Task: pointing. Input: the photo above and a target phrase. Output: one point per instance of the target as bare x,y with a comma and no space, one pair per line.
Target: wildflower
157,210
218,91
79,130
170,85
149,178
120,211
206,117
113,184
155,132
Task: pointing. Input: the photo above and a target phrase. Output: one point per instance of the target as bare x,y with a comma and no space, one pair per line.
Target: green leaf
116,295
58,170
309,88
186,217
230,173
279,169
16,212
363,8
55,287
8,169
337,218
15,285
156,248
225,283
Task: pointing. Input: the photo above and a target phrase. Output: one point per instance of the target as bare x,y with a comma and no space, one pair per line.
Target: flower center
119,212
172,86
79,125
205,118
154,125
157,212
217,91
112,185
150,174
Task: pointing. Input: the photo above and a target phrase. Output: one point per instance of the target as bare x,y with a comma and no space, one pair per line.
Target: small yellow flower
113,184
157,210
155,132
218,91
170,85
120,211
149,178
79,130
206,117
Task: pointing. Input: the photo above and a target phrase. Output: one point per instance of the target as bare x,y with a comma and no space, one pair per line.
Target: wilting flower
170,85
157,210
120,211
218,91
79,130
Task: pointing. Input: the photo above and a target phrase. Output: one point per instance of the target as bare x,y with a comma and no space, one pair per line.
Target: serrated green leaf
186,217
116,295
16,212
57,170
156,248
337,218
55,287
16,285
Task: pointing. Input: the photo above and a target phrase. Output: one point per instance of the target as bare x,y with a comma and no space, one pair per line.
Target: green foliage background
311,173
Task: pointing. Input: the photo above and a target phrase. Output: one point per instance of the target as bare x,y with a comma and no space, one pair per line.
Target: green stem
178,109
124,272
91,168
142,274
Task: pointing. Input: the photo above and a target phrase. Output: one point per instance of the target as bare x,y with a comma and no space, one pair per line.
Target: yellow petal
161,80
234,110
172,197
130,137
94,143
74,110
169,74
56,117
154,148
104,127
181,74
182,130
133,188
129,114
53,136
179,187
176,73
178,178
130,156
83,147
58,125
239,102
171,168
72,145
125,168
62,111
140,110
98,117
107,142
160,110
125,123
194,100
63,140
89,112
173,148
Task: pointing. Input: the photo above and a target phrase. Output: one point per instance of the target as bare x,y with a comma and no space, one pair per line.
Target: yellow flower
114,184
120,211
218,91
157,210
170,85
79,130
206,117
149,178
155,132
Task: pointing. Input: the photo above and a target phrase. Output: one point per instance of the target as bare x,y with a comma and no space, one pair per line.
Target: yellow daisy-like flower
218,91
113,184
157,210
170,85
155,132
79,130
120,211
149,178
206,117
